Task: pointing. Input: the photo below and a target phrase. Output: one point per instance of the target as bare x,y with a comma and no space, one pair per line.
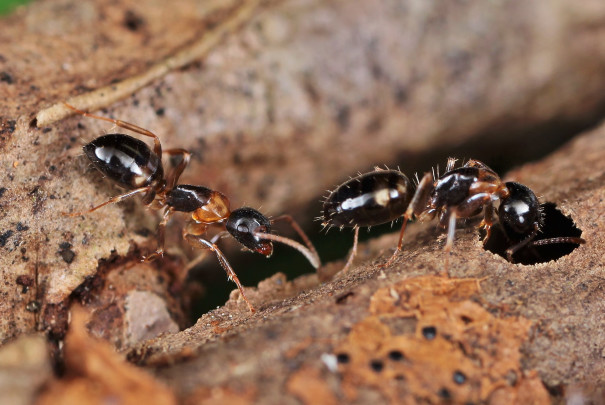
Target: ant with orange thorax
131,164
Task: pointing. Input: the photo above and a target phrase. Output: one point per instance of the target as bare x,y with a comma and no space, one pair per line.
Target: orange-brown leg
353,251
488,221
113,200
416,207
159,252
173,178
201,243
126,125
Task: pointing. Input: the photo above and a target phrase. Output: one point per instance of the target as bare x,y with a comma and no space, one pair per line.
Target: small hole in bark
555,225
377,365
342,358
459,377
429,332
396,355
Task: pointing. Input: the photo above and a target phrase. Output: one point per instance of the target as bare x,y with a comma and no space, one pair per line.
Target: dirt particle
25,281
444,393
5,236
21,227
343,117
2,191
66,253
33,306
6,78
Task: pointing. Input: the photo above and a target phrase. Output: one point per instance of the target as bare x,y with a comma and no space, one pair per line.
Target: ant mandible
134,166
383,196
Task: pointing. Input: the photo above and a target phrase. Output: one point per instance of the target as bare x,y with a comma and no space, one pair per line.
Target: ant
383,196
131,164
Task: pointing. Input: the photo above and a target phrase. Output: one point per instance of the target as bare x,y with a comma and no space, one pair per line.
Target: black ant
382,196
133,165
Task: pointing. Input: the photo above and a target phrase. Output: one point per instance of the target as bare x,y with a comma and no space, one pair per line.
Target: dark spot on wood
38,199
160,112
21,227
144,232
66,253
7,127
376,365
343,358
6,78
401,95
429,332
5,236
396,355
55,319
466,319
342,298
25,281
133,21
444,393
310,89
343,117
459,377
33,306
2,191
46,130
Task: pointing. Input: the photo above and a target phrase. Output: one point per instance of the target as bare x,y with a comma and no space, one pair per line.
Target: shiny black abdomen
369,199
186,198
454,187
126,160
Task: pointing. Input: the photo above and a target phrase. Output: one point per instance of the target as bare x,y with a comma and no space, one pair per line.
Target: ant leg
512,250
309,252
197,260
201,243
113,200
488,221
417,206
451,230
353,252
161,233
157,148
178,170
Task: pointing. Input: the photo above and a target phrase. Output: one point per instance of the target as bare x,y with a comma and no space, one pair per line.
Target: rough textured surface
95,374
555,310
295,101
304,94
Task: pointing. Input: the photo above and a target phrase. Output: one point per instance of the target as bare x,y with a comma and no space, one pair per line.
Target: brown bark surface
278,101
520,320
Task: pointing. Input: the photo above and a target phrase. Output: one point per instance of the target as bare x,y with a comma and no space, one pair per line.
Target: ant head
519,213
243,223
